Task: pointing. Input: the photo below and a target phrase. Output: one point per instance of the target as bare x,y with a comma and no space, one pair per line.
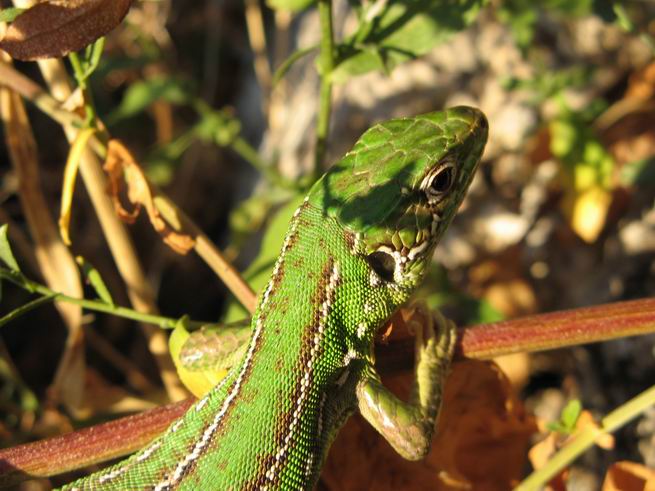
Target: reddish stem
86,447
559,329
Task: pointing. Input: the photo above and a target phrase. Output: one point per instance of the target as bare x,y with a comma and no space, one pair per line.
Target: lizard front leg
408,426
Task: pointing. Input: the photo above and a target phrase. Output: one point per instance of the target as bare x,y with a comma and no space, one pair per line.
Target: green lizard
356,249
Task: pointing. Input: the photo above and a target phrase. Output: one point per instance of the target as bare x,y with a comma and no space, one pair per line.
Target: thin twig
95,305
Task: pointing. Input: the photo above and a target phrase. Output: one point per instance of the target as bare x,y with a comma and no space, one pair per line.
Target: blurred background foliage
218,101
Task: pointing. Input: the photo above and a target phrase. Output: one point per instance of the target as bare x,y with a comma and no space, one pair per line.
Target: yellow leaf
590,212
70,174
199,382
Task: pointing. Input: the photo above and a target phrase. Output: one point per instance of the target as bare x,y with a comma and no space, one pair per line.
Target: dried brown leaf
629,476
122,168
55,28
482,438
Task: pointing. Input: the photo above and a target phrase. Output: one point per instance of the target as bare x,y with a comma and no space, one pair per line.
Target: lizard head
397,190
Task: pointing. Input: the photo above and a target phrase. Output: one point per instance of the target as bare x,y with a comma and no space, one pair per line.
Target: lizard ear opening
383,264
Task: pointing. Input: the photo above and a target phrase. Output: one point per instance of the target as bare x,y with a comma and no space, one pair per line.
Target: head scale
397,190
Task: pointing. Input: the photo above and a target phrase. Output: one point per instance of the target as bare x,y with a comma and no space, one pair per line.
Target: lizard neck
313,327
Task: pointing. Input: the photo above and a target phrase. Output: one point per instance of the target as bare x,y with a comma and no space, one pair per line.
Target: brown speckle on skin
279,364
349,238
286,417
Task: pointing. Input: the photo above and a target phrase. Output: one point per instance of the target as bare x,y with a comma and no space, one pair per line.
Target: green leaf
95,280
570,414
402,31
92,56
6,255
10,14
161,162
140,95
440,294
521,15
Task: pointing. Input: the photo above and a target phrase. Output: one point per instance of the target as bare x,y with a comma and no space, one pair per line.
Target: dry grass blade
54,29
55,260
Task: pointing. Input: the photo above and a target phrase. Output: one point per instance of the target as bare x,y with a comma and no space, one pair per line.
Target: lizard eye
440,182
383,264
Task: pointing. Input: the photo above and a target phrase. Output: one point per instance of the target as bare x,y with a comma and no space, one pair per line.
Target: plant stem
48,295
24,309
325,97
81,77
582,441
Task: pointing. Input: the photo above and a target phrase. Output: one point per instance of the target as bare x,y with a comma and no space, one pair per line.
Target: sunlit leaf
590,212
587,170
403,30
571,413
198,382
95,280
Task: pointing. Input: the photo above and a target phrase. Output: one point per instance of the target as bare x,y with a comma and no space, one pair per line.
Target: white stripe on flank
325,309
201,444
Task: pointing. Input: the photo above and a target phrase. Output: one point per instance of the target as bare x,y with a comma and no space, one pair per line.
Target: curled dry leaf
122,168
55,28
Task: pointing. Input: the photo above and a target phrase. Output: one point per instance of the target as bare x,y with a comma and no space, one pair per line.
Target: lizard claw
435,342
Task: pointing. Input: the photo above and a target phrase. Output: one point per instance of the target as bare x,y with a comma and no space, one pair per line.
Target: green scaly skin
356,249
